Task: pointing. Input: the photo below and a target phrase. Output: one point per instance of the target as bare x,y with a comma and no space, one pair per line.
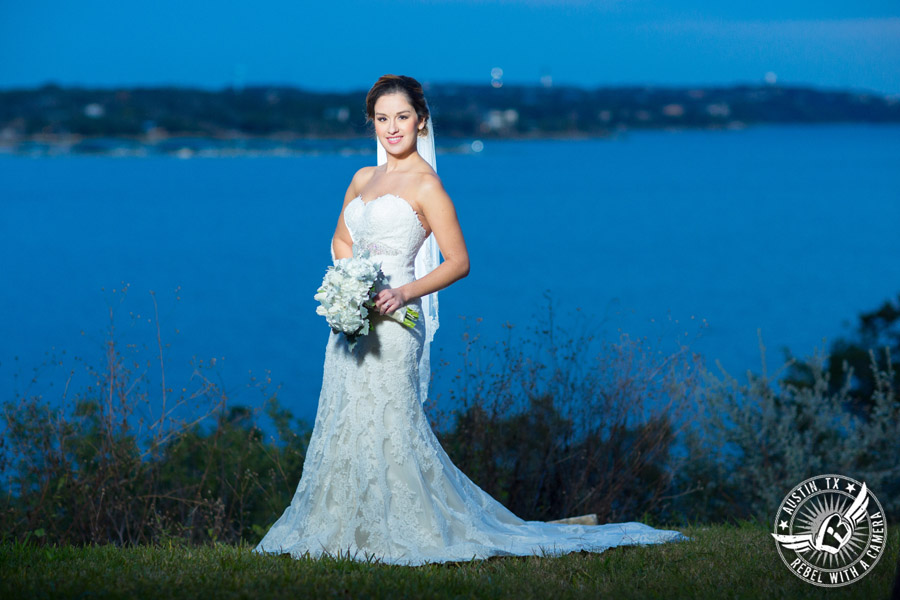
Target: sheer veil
427,259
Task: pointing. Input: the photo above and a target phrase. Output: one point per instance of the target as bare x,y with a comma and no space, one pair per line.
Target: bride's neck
401,163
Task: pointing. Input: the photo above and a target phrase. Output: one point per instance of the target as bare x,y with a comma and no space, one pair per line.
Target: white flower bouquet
348,292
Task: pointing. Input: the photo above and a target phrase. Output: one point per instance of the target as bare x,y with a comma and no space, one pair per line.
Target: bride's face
396,123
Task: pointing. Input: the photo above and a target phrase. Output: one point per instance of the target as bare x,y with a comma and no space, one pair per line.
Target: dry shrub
556,425
760,438
128,462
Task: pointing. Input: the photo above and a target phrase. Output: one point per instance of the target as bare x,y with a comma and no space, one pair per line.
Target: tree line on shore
463,110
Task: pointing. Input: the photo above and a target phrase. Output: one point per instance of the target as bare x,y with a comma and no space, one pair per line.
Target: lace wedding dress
376,483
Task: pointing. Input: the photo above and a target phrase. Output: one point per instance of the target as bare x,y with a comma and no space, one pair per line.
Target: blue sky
347,44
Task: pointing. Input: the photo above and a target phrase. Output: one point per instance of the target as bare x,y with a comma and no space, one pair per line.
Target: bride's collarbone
368,197
400,185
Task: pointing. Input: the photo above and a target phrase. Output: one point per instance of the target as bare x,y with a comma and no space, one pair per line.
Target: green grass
720,562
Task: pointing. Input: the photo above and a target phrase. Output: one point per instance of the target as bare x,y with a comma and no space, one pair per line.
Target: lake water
790,230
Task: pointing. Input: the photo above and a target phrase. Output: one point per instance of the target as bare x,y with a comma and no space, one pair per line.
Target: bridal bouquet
348,292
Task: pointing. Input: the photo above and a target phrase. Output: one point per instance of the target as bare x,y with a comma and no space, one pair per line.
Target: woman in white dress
376,484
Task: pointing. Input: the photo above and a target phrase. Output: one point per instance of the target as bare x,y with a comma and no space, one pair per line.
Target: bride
376,484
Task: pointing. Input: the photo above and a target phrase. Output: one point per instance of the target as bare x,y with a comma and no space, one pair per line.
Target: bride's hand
389,300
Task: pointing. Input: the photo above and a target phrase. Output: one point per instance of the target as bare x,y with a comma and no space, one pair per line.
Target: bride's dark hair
392,84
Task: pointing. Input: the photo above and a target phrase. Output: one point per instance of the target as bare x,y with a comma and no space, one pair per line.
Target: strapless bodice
389,229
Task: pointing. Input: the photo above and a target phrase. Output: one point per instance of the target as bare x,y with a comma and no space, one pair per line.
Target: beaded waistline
377,249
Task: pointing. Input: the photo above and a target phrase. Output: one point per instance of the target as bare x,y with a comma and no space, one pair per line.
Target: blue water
789,230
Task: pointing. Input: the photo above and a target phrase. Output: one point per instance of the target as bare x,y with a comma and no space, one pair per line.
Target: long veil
427,259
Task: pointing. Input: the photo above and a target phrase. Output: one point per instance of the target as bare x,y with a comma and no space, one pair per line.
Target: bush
89,470
759,439
555,426
877,331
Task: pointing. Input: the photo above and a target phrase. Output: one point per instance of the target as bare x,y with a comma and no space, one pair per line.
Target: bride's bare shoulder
430,188
361,178
366,171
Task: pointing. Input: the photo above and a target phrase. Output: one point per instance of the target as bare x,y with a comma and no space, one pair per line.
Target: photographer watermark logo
830,530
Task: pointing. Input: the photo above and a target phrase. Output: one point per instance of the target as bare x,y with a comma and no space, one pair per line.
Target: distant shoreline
180,146
286,120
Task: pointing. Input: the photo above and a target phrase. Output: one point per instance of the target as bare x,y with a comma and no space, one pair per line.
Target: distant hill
459,110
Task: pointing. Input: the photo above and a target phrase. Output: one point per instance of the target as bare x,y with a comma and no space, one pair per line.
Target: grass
722,561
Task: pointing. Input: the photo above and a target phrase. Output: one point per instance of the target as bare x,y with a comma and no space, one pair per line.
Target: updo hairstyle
392,84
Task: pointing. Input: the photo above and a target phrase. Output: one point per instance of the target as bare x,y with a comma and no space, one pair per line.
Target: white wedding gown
376,484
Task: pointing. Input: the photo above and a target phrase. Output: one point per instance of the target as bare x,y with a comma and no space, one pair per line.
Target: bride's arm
342,242
440,214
